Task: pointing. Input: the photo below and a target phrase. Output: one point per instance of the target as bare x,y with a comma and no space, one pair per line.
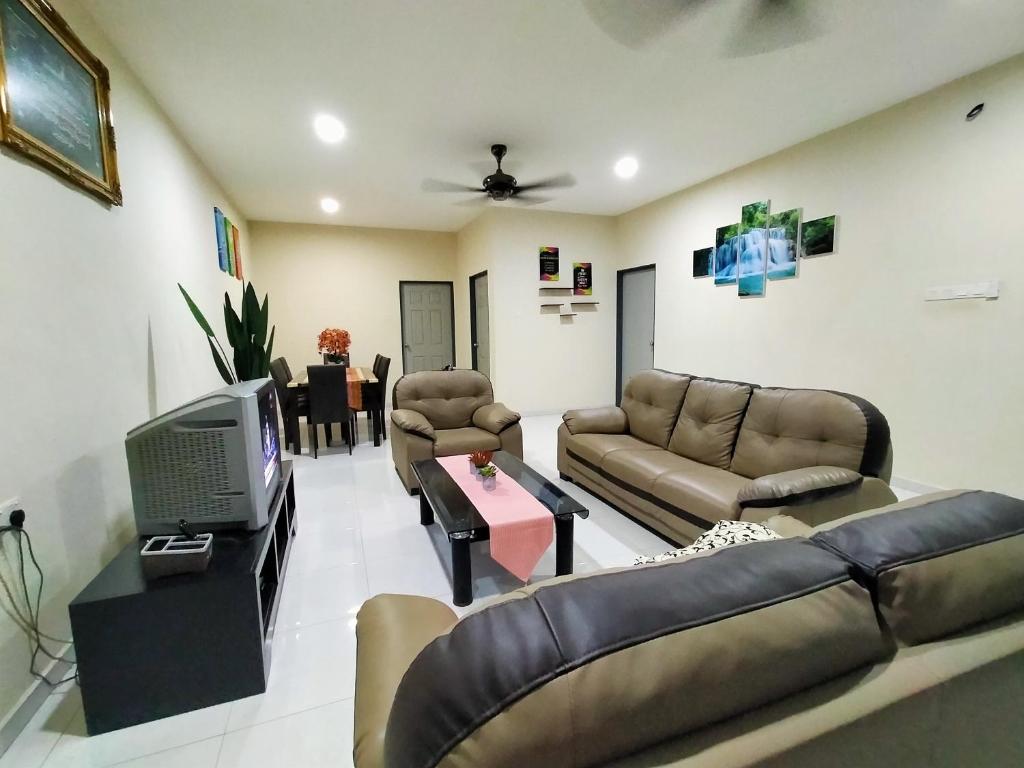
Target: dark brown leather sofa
683,452
446,413
890,637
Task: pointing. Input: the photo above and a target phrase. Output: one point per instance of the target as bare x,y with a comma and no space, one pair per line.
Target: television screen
268,427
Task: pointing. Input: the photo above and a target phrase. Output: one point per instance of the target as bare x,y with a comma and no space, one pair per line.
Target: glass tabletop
458,515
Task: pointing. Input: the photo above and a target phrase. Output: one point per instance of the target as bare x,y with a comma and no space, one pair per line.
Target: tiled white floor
359,535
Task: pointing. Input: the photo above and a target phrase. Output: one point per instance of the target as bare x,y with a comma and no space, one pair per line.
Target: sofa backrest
786,429
584,671
447,398
652,400
710,420
938,563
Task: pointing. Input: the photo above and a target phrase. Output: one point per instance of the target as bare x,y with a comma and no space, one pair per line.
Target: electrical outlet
7,507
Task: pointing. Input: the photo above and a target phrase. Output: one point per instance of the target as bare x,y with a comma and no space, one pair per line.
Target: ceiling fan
763,25
501,186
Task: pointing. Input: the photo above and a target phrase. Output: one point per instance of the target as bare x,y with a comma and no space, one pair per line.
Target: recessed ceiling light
626,167
329,128
329,205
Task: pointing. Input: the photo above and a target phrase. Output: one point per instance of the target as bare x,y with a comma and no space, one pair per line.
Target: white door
636,330
481,335
428,337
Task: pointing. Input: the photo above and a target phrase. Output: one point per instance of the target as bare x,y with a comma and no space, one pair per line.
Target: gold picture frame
55,99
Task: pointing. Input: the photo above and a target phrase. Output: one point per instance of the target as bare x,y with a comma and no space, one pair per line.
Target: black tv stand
151,649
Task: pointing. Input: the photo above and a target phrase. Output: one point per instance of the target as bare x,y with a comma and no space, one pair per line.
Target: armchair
446,413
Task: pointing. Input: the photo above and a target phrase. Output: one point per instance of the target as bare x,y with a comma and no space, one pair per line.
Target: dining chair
374,395
328,404
290,400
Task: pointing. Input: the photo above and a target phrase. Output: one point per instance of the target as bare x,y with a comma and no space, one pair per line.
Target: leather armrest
609,420
798,486
412,421
391,630
788,527
494,417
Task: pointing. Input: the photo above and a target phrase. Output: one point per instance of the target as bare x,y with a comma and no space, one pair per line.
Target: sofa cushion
709,421
793,428
453,442
447,398
706,493
590,667
639,469
937,563
593,448
651,400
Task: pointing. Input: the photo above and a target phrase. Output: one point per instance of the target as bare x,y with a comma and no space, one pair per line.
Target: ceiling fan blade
772,25
529,199
638,23
436,185
474,202
565,180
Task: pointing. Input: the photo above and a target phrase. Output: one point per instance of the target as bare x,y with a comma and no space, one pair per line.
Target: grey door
428,332
480,334
636,324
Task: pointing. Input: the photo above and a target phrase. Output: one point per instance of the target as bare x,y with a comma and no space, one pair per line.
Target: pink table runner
521,527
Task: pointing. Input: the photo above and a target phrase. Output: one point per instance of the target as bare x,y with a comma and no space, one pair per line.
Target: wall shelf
552,304
582,301
567,314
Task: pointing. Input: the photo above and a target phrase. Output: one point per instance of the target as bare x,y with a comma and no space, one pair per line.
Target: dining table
357,376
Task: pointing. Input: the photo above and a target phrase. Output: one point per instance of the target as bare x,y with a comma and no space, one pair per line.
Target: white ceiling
425,87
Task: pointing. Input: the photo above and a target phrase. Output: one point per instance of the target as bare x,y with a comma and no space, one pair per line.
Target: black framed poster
582,278
549,264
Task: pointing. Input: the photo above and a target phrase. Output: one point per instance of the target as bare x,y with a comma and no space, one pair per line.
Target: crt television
214,462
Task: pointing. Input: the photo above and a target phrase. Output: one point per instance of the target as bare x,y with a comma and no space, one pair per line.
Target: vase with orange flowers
333,344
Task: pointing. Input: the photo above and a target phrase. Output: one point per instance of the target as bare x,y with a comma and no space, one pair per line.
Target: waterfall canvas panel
783,235
752,249
818,236
725,254
704,262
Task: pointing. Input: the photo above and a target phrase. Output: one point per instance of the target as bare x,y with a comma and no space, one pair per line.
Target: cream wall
344,277
542,363
96,338
924,198
473,255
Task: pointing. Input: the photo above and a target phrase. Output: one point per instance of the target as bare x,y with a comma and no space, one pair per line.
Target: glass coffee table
443,500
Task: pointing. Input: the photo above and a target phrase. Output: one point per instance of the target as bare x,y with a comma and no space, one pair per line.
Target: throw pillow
725,533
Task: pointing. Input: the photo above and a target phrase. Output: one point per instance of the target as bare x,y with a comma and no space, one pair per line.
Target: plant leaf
198,315
222,367
232,324
270,352
250,310
259,331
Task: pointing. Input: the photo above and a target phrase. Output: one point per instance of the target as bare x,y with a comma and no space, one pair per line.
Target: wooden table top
356,375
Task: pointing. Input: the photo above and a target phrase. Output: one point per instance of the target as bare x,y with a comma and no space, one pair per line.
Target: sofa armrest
788,527
798,486
609,420
391,630
412,421
494,417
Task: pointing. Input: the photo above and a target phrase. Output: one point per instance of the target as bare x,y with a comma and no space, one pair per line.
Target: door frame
618,320
472,317
401,311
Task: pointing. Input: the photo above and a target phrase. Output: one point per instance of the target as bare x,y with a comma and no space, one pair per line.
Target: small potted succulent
489,476
478,460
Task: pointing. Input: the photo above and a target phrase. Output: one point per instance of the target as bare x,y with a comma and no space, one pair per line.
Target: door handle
407,346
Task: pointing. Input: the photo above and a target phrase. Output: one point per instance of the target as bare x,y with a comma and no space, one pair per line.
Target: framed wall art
55,99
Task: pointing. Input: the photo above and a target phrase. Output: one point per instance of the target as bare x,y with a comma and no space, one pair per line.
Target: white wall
542,363
344,277
96,338
474,254
923,198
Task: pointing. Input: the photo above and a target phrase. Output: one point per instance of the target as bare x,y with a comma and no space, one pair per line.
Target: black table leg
462,572
563,545
426,513
293,428
374,417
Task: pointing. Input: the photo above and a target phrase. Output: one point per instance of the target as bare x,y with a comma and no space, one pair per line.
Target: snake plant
247,336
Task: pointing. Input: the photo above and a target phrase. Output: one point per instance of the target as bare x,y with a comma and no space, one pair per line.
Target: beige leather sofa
446,413
892,637
683,452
